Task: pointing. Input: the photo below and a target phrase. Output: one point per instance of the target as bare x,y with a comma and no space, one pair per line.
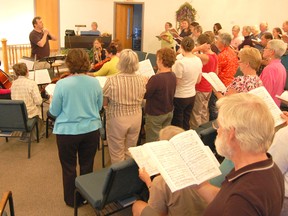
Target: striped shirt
125,93
28,91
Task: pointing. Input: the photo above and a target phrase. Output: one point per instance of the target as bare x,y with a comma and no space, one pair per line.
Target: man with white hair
255,186
274,74
245,128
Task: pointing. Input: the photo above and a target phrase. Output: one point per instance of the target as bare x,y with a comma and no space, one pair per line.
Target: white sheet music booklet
182,161
145,68
40,76
266,97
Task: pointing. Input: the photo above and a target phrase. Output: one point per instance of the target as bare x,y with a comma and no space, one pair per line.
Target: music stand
51,59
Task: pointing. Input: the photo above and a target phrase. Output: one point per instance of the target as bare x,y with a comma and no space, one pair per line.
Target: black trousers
213,112
182,112
69,147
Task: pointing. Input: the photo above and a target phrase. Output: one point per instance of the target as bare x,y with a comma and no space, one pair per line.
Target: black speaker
69,32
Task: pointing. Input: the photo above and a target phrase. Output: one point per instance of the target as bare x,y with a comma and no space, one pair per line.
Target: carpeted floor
36,183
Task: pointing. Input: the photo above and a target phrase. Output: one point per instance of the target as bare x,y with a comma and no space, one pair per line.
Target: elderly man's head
245,124
275,49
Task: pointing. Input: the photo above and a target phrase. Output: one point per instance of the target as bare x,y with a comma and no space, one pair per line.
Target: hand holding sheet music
182,161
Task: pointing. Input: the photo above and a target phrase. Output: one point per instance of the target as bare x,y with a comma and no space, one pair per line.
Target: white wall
16,16
16,20
156,13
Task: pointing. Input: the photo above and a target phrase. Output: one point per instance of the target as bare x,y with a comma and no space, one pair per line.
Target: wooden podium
84,41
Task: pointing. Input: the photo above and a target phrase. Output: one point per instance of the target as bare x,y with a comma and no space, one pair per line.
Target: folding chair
14,121
109,186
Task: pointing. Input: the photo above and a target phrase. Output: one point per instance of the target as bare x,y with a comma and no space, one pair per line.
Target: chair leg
47,125
37,132
76,194
29,145
103,152
6,139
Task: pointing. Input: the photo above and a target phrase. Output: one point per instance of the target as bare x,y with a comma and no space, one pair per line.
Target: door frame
142,21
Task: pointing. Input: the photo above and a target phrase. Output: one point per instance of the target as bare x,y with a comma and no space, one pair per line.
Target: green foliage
186,11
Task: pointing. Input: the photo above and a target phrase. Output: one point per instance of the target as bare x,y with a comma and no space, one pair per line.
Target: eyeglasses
266,48
215,125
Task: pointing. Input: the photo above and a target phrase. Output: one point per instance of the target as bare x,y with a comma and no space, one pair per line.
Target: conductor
39,39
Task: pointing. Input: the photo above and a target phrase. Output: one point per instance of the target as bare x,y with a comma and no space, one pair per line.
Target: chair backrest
207,134
122,181
141,55
13,115
152,58
284,61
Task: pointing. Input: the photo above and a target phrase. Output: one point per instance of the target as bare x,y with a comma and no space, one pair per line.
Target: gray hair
278,46
128,61
169,131
251,119
225,38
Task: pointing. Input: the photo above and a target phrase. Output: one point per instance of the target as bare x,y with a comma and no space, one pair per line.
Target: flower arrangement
186,11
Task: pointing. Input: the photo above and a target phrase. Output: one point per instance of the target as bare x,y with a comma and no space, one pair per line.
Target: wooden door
124,24
48,10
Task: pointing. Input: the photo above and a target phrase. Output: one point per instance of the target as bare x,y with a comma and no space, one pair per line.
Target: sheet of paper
145,68
40,76
29,63
102,80
143,159
194,153
214,80
272,106
283,97
175,172
50,89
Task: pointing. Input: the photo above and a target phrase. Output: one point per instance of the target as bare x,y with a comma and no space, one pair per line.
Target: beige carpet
36,183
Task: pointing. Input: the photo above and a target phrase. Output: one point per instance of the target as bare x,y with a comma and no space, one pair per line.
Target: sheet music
29,63
175,172
214,80
182,161
102,80
145,68
201,163
41,76
143,159
50,89
283,97
272,106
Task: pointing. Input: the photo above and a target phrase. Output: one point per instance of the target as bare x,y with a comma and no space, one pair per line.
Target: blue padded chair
141,55
14,118
109,185
225,167
207,134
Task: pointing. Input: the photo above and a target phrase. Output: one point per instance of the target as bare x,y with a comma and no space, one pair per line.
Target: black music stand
50,60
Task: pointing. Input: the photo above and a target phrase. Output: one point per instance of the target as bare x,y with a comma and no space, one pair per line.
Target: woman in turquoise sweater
76,103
